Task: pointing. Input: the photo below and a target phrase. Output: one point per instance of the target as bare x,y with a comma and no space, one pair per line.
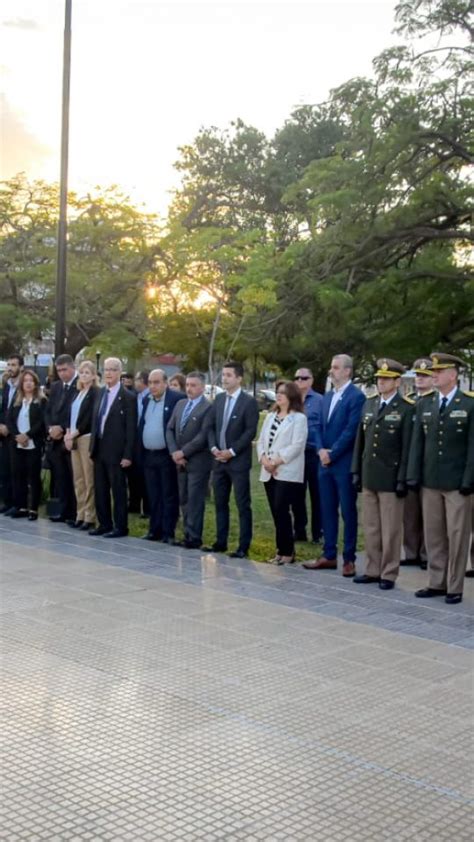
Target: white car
211,391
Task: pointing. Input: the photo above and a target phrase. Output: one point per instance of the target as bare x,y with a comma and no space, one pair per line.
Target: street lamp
62,224
97,360
35,358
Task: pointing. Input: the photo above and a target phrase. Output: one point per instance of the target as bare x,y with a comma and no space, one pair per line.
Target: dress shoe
19,513
469,573
57,519
321,564
386,585
238,554
300,536
404,562
9,512
33,516
99,530
70,522
277,559
348,569
116,533
215,548
150,537
75,524
423,565
363,579
86,526
427,593
188,545
453,598
167,540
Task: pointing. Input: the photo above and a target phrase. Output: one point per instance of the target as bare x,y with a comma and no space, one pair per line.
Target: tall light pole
61,270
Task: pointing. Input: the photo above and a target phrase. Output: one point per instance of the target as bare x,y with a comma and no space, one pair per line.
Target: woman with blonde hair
25,422
77,441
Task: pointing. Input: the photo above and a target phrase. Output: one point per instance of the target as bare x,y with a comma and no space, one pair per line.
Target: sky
147,74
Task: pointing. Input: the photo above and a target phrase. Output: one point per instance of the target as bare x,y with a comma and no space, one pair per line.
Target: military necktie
443,405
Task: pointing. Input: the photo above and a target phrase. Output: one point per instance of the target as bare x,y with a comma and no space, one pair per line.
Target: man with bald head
114,424
335,436
160,470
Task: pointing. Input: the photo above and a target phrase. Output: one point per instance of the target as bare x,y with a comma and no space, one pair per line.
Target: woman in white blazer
280,450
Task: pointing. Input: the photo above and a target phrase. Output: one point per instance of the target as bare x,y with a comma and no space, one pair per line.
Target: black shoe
238,554
116,533
57,519
150,537
70,522
453,598
423,565
300,536
409,561
167,540
469,573
215,548
99,530
85,527
386,585
191,545
427,593
75,524
33,516
363,579
19,513
9,512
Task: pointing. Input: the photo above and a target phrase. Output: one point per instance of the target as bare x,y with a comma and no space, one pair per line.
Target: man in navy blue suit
335,437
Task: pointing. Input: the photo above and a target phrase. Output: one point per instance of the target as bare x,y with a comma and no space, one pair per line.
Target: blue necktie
101,414
225,421
443,405
185,415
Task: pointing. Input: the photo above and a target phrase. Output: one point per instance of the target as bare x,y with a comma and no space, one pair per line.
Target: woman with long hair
77,441
26,426
280,450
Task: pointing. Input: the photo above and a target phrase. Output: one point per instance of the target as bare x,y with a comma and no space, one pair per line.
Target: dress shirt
23,424
449,397
312,403
386,401
11,392
188,409
336,397
153,430
229,406
111,395
75,409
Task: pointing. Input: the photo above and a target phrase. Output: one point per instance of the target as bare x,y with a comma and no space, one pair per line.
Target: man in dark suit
15,364
312,403
58,408
187,436
335,437
232,429
160,470
114,425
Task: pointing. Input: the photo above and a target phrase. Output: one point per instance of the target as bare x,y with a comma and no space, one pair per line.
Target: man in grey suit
187,440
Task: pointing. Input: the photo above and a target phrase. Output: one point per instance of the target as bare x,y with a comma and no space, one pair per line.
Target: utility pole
61,270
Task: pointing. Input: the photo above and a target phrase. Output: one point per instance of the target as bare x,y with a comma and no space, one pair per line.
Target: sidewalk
150,693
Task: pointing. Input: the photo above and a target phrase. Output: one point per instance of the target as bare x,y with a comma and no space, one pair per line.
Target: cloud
22,23
20,150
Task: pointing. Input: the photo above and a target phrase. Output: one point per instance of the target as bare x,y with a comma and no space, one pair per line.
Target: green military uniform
380,460
442,462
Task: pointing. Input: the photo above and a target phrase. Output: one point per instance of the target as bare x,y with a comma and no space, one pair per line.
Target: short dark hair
128,374
292,393
64,359
142,375
18,357
238,367
198,375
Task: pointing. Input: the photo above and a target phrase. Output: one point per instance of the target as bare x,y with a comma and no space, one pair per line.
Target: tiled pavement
154,694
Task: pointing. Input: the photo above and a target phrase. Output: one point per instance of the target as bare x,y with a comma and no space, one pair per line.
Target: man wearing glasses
312,403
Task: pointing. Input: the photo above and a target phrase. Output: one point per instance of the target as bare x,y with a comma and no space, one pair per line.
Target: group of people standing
154,448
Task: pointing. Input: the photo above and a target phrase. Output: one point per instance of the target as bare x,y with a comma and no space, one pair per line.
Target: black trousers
6,484
110,479
281,495
311,482
163,497
137,493
193,487
62,479
26,466
223,480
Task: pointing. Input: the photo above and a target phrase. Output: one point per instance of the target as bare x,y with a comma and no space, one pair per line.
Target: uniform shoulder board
408,400
427,394
468,394
410,395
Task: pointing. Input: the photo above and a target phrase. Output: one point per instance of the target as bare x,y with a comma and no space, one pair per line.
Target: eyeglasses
300,377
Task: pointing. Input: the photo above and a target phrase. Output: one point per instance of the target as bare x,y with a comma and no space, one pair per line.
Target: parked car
265,398
211,391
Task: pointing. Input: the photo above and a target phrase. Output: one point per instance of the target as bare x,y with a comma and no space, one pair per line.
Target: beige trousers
447,518
382,517
413,537
83,473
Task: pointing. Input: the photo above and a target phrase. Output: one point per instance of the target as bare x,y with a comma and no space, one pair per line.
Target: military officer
442,462
379,465
413,539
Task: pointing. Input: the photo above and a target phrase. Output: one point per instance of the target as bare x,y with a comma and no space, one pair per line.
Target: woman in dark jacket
77,440
26,425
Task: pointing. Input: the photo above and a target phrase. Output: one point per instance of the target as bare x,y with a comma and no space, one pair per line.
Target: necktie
102,411
225,422
443,405
185,415
382,406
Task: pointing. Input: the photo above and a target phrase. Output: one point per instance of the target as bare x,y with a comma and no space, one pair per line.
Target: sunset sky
147,74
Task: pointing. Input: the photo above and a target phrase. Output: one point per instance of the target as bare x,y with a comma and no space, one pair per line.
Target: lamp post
97,360
35,358
62,224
